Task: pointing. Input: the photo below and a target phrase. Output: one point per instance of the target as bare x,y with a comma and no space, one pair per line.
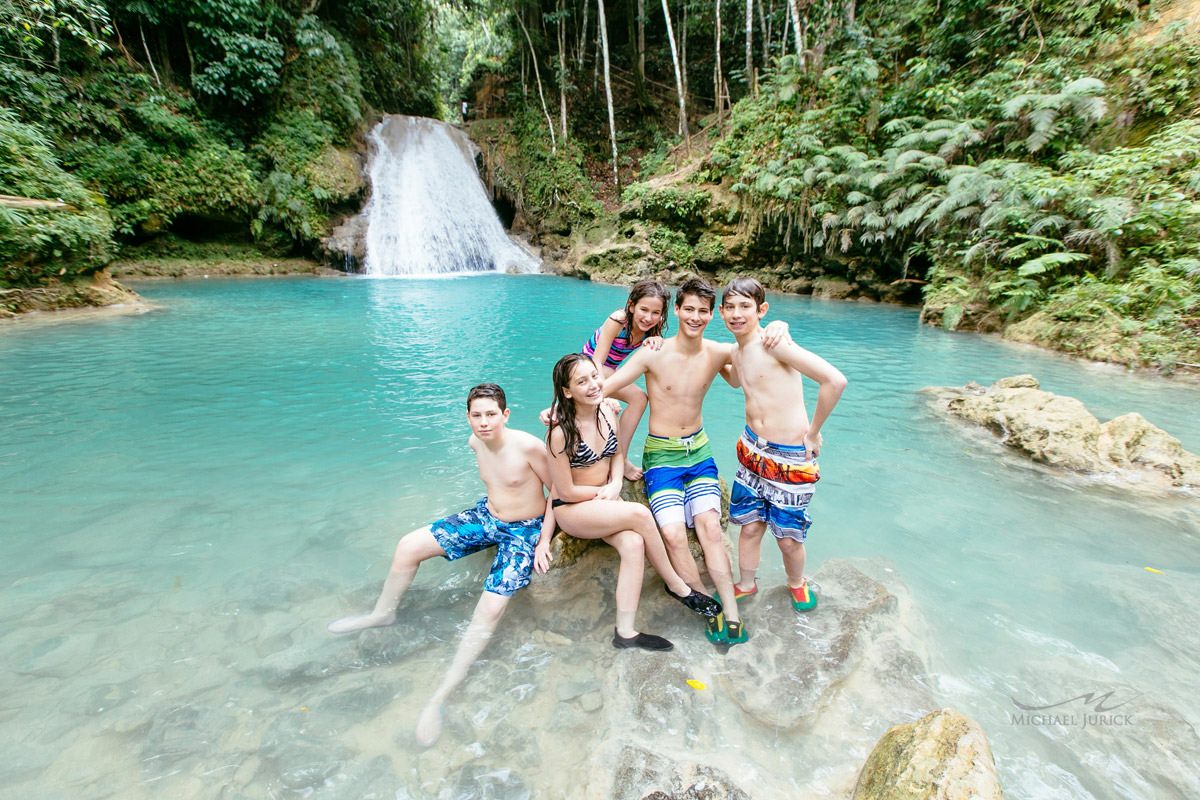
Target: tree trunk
602,24
583,35
783,31
538,74
562,69
149,60
683,124
641,39
750,45
851,11
683,48
764,28
187,48
796,30
717,66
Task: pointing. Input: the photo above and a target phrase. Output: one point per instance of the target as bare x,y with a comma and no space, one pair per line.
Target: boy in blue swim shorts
681,476
512,518
777,452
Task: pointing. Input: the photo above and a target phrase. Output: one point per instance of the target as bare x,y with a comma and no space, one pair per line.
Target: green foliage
671,246
307,177
32,30
35,244
392,43
164,163
669,204
549,187
323,77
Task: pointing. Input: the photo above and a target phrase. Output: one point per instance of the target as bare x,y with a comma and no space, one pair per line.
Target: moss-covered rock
942,756
98,289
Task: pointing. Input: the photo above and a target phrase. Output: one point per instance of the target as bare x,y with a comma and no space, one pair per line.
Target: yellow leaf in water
695,684
1155,571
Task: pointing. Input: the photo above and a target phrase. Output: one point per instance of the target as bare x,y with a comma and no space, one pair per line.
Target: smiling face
694,313
648,313
741,313
586,386
486,418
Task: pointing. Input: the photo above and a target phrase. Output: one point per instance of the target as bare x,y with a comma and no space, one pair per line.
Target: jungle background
1024,166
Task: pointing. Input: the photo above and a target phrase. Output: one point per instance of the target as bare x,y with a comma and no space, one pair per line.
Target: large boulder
942,756
1060,432
566,549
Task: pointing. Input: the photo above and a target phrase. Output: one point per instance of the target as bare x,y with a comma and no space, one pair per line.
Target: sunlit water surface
188,495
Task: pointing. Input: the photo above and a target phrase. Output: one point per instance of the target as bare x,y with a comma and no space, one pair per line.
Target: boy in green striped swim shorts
681,476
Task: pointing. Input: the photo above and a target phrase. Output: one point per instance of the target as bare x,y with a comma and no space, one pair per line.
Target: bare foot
360,622
632,472
429,724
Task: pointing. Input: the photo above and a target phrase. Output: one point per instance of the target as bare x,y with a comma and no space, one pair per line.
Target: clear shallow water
187,496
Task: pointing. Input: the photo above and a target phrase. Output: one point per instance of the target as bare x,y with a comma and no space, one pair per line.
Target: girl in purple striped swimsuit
641,322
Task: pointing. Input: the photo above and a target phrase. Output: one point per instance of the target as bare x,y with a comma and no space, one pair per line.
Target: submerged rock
1060,432
942,755
643,775
764,679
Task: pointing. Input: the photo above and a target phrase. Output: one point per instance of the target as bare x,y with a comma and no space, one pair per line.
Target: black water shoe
643,641
697,601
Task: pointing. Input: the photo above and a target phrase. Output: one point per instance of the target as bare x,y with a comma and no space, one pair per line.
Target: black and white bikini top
585,456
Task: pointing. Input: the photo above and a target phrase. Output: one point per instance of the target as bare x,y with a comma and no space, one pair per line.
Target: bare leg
413,548
793,561
636,402
749,553
488,612
712,542
629,579
596,519
675,538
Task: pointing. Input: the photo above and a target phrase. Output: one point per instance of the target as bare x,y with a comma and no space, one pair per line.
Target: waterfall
429,213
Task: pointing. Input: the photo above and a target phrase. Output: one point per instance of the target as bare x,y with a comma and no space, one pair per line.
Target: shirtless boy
778,450
513,516
681,476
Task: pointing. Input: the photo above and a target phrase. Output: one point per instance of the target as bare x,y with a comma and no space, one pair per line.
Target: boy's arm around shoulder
723,353
630,370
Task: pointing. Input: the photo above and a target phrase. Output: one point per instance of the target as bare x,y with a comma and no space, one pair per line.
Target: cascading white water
429,212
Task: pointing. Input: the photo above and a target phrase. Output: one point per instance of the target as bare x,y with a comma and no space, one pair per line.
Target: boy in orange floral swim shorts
777,452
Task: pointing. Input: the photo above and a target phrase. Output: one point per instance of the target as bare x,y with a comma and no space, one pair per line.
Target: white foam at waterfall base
429,213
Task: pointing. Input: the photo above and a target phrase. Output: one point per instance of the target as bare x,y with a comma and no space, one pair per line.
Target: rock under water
1060,432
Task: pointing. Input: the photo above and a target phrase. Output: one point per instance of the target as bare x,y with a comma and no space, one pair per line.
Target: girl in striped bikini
585,467
642,321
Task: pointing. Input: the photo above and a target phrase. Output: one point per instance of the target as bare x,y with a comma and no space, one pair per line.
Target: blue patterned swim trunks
476,528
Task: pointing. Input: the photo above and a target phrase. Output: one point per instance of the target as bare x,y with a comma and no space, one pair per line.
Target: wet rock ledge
1061,433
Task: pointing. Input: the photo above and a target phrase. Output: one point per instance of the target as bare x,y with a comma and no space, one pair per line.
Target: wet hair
487,391
641,290
745,287
562,408
700,288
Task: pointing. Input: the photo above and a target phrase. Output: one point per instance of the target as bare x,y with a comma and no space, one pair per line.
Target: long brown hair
647,288
562,409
